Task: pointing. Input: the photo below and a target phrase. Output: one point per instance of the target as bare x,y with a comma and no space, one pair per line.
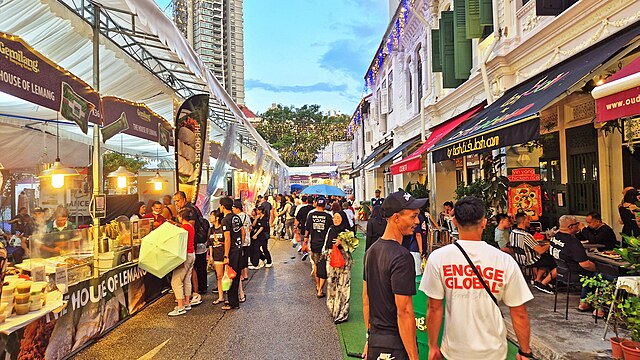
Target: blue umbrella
326,190
296,187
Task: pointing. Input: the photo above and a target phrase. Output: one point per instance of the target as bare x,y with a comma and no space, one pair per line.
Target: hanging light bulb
158,181
121,174
58,172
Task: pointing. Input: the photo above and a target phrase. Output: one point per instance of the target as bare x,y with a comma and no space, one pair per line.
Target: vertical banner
218,173
191,136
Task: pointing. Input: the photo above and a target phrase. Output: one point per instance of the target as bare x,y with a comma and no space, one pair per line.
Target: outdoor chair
526,270
569,278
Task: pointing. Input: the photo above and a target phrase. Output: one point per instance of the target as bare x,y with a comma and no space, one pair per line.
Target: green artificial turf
352,332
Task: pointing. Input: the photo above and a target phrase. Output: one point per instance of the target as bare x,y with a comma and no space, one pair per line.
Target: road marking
154,351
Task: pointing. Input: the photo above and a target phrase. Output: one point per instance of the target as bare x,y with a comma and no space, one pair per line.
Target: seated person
502,232
565,246
597,232
528,252
446,214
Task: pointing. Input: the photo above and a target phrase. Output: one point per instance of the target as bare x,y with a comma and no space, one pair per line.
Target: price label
62,279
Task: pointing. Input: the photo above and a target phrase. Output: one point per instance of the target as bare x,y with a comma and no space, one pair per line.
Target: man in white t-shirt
474,328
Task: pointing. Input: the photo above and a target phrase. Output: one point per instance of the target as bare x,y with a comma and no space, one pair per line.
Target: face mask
156,212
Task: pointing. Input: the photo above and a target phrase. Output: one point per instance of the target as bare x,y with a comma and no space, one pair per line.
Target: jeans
262,246
235,258
181,278
200,265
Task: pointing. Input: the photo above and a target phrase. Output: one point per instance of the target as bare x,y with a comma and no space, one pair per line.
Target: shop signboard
523,174
28,75
94,307
190,139
525,198
134,119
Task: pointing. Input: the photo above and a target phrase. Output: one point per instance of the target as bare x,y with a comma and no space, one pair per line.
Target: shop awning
377,151
619,96
393,153
514,119
413,162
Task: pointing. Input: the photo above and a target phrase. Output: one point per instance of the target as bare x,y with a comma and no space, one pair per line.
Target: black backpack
202,230
292,211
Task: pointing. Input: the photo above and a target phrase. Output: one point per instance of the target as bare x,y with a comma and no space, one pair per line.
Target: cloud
251,84
349,56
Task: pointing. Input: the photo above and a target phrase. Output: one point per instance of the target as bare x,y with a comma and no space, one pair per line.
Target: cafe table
605,264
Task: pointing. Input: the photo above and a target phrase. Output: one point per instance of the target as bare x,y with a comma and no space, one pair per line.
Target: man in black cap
316,228
389,284
377,201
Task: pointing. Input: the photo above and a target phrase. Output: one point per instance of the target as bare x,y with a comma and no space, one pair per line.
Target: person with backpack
246,244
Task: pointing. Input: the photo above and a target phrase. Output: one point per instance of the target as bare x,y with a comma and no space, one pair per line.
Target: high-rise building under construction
215,30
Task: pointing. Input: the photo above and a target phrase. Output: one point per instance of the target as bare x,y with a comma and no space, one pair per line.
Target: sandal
217,301
321,295
243,299
229,307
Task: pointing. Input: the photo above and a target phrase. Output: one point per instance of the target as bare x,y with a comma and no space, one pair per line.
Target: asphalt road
282,319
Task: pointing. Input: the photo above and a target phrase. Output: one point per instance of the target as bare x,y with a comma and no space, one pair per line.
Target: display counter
92,281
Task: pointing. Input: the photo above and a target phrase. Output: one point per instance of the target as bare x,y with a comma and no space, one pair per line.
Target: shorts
316,257
244,260
218,254
546,261
386,347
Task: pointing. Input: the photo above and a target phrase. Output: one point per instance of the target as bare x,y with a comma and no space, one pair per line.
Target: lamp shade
157,181
121,172
57,173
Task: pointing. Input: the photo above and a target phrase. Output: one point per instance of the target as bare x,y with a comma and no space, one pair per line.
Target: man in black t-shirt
389,284
301,214
316,227
597,232
232,229
565,246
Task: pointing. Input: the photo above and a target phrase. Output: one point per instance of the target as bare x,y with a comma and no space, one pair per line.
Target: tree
299,133
112,160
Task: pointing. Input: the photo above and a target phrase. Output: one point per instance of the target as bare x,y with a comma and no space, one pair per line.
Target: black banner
190,139
94,307
512,135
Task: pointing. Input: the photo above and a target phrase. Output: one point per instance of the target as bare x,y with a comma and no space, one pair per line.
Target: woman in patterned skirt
339,279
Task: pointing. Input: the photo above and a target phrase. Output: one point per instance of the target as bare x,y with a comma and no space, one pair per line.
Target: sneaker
547,289
177,311
299,248
269,265
195,301
251,267
294,244
305,256
542,287
261,264
187,307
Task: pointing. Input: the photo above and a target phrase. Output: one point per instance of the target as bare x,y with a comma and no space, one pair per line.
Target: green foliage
299,133
492,191
419,191
631,254
603,296
630,312
111,161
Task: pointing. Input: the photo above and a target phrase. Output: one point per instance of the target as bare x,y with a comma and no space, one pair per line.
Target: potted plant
601,299
630,311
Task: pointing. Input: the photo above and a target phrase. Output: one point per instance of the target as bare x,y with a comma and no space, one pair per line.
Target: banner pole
96,159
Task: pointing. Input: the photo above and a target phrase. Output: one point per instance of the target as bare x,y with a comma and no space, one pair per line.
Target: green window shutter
447,50
462,46
486,12
472,15
436,60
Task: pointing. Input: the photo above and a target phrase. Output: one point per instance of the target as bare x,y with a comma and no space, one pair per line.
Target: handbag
475,270
337,260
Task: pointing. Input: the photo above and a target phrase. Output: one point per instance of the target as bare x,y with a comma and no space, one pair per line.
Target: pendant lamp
58,172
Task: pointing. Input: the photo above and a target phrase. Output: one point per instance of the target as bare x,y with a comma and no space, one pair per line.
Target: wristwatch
226,257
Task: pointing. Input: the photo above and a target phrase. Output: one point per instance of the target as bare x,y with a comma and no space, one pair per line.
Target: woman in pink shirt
181,277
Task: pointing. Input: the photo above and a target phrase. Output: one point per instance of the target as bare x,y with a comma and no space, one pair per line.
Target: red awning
413,162
620,96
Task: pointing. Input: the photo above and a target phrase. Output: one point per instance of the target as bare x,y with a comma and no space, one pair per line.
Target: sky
301,52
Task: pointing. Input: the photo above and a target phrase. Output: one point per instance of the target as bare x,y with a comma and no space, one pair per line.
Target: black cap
399,201
378,191
321,201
